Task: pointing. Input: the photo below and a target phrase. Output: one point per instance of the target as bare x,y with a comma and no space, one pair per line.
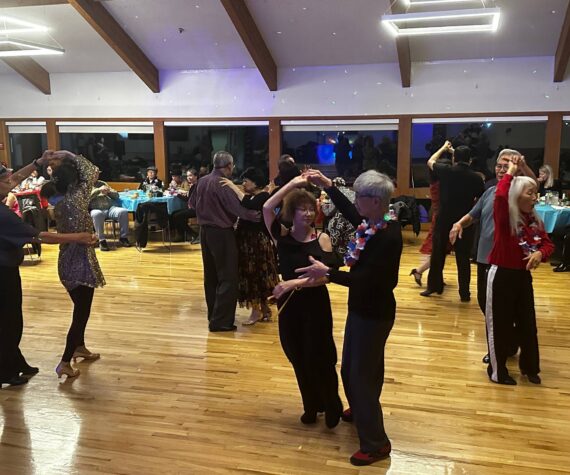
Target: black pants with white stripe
510,300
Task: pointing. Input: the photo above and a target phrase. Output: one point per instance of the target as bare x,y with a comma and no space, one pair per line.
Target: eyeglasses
504,166
363,195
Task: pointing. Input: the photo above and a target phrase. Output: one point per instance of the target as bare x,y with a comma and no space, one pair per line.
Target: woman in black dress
257,262
305,317
374,260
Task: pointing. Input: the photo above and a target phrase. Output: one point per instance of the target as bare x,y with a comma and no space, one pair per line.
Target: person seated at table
35,180
151,179
188,183
102,206
547,182
179,219
177,180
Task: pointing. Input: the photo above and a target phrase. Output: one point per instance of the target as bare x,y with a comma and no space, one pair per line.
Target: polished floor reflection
168,397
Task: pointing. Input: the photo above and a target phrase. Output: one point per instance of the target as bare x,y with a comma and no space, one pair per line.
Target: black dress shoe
428,292
232,328
14,381
103,245
486,359
28,370
561,268
507,380
534,378
332,416
125,242
465,298
309,417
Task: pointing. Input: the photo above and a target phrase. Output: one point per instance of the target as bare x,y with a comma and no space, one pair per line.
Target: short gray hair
508,151
222,159
373,183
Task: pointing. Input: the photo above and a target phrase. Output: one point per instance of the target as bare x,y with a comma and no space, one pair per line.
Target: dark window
486,140
194,147
346,153
25,148
120,156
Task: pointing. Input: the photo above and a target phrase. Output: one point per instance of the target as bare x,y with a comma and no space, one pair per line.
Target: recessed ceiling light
27,48
436,20
14,25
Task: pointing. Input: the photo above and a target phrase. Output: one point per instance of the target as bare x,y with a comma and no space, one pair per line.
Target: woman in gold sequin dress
69,190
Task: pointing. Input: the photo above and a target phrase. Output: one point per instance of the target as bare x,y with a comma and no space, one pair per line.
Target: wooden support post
553,141
275,146
4,143
404,155
52,129
160,161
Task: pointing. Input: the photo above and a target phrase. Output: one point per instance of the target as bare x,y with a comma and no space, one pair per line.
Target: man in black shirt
460,187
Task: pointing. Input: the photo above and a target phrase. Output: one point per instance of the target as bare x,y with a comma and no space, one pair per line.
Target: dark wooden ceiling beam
110,30
30,3
251,37
403,49
31,71
563,50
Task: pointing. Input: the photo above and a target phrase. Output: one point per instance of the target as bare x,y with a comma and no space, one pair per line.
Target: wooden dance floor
167,397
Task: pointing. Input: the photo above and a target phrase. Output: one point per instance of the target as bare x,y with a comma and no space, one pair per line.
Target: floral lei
529,237
363,233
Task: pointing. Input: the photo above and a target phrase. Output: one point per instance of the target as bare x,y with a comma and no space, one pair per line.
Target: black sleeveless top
294,254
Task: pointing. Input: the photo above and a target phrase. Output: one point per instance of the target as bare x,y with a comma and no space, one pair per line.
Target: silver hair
518,185
222,159
550,175
373,183
508,151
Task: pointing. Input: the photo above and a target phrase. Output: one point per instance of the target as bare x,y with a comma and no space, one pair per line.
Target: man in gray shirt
217,209
483,212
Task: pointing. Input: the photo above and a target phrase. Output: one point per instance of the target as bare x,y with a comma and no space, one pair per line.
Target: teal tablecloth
173,203
553,217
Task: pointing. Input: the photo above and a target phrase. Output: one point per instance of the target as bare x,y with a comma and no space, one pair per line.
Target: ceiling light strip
392,21
24,26
32,49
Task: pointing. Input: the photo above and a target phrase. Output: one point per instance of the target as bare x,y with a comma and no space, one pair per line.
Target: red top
510,249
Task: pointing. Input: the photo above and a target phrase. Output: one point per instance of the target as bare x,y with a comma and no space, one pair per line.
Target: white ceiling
297,32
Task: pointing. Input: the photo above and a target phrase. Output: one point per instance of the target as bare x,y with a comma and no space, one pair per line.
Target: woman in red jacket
520,245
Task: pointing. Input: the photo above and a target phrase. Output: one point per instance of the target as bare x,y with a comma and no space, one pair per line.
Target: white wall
515,84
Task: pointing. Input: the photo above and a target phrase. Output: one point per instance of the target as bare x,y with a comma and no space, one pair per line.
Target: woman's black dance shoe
417,276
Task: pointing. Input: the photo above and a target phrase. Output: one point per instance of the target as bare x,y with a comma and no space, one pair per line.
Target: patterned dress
257,260
77,264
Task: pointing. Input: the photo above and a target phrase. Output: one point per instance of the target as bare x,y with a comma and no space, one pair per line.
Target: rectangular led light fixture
26,48
11,26
435,23
411,3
